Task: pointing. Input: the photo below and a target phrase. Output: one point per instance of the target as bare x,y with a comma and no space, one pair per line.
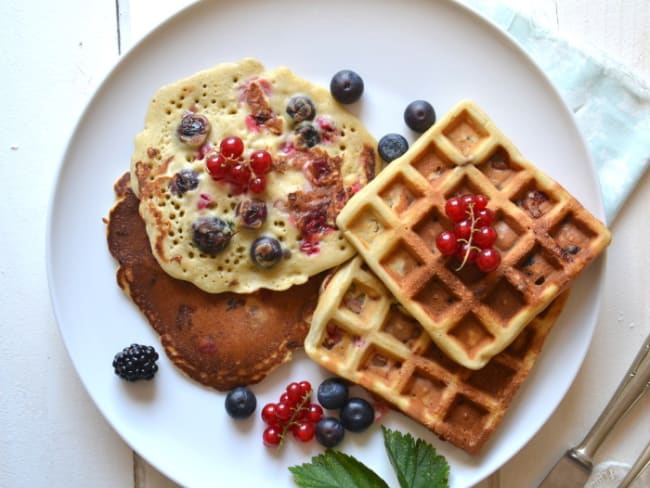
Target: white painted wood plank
53,54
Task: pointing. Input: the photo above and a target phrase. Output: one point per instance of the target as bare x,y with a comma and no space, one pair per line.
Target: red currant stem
292,420
471,236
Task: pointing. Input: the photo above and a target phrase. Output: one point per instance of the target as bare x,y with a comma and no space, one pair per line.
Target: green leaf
334,469
416,463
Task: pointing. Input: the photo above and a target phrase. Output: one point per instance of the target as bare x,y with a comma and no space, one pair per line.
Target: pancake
197,219
220,340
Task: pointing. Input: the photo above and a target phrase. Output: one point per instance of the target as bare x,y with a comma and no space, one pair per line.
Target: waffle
361,333
545,236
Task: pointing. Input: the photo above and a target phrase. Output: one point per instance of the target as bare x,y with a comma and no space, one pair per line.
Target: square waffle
545,236
362,334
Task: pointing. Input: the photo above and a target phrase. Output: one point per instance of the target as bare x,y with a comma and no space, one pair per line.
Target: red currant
446,243
240,174
488,260
216,165
466,253
284,398
295,393
304,431
257,184
468,200
232,147
485,237
455,209
272,436
484,217
463,229
301,415
261,162
305,387
283,412
315,413
268,413
480,201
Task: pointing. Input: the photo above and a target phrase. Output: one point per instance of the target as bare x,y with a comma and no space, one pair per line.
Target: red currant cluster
294,412
228,165
473,236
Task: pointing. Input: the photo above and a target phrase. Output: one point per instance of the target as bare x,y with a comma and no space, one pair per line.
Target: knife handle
629,391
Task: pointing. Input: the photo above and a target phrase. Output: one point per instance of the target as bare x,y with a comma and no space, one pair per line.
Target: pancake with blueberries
220,340
241,173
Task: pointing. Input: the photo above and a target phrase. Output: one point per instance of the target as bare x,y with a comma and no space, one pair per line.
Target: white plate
438,51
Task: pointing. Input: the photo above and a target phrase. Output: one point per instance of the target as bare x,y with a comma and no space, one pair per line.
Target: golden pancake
224,225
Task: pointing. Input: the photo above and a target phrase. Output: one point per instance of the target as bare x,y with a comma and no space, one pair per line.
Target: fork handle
637,467
629,391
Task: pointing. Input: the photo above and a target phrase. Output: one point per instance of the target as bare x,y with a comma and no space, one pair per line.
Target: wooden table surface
51,434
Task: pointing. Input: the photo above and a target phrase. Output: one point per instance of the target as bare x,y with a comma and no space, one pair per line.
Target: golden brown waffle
545,236
360,333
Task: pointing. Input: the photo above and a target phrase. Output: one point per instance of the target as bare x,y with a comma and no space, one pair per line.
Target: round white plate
437,51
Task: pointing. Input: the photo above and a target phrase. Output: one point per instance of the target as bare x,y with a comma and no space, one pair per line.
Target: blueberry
301,108
419,115
332,393
306,136
266,251
184,180
357,415
392,146
193,129
251,214
329,431
240,402
346,86
211,234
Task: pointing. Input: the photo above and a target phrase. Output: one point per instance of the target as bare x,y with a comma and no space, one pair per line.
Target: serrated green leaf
416,463
334,469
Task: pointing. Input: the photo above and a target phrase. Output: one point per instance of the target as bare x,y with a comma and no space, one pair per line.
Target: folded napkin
611,105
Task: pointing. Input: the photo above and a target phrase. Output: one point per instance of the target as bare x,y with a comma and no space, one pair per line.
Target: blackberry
136,362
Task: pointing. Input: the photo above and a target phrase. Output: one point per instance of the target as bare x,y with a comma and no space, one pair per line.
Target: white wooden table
53,55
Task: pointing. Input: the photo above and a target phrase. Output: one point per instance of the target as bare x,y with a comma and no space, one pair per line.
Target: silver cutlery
573,469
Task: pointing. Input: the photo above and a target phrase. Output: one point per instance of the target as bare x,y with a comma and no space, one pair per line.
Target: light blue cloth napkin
611,105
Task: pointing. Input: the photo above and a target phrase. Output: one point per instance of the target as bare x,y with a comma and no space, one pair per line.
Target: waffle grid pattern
360,333
545,236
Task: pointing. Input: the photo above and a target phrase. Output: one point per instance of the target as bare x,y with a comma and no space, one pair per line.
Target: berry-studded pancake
220,340
241,173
